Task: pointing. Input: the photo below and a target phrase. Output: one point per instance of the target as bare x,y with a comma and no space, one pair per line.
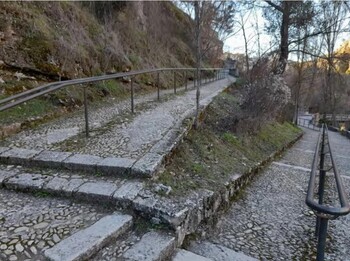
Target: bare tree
213,24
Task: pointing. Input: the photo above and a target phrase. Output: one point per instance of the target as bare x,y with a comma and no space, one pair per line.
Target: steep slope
50,41
81,39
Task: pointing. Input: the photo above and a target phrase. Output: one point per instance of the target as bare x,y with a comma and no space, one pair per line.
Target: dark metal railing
307,124
17,99
324,212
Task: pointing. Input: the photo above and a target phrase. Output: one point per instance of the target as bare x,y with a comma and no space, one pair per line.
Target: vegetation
63,40
219,148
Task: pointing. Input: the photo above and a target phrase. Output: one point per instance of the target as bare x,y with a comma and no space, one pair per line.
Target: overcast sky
235,44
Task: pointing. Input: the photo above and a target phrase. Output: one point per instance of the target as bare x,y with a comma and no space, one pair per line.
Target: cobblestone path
115,131
270,220
30,224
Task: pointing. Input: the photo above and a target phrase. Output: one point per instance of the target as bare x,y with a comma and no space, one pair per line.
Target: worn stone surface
127,192
96,191
29,225
217,252
115,132
167,143
3,149
183,255
5,174
152,246
17,156
340,148
82,162
147,165
27,181
115,249
56,185
50,158
270,220
115,166
72,186
84,243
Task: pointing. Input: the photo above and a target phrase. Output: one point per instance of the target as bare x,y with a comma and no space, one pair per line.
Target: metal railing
17,99
307,124
323,211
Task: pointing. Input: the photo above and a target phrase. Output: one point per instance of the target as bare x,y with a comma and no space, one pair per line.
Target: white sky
235,44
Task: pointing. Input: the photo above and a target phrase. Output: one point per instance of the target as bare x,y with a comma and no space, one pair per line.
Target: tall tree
286,17
332,20
213,24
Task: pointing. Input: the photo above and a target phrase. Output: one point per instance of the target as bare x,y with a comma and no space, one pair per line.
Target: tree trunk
284,51
198,49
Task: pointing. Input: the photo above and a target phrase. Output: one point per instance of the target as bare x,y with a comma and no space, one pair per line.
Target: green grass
210,155
20,113
41,194
229,137
113,88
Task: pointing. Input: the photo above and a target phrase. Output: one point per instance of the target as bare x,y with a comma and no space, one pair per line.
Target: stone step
153,246
86,242
119,191
184,255
218,252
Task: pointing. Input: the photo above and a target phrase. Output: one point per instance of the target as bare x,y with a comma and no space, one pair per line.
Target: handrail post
132,94
321,241
158,87
86,113
322,171
174,82
322,174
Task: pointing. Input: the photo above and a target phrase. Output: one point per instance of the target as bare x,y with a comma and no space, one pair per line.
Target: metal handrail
58,85
306,123
323,212
23,97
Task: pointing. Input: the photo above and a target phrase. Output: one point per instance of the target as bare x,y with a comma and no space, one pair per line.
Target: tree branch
277,7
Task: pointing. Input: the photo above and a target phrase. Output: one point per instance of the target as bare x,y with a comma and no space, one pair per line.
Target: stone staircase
89,243
83,244
120,183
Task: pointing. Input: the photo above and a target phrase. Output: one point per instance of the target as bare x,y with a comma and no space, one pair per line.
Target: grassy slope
69,39
210,155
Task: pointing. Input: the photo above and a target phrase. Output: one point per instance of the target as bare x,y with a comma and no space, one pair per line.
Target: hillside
49,41
82,39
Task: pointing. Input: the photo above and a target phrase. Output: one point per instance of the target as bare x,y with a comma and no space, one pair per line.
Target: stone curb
84,243
100,192
157,156
75,162
145,167
152,246
184,217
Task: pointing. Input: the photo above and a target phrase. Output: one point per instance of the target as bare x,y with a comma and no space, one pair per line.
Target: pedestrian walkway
270,221
119,142
40,226
31,224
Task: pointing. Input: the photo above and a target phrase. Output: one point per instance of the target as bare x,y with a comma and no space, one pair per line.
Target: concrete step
153,246
218,252
184,255
86,242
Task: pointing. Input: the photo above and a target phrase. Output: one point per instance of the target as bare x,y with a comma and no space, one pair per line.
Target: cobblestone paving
44,136
270,220
115,134
31,224
116,248
341,152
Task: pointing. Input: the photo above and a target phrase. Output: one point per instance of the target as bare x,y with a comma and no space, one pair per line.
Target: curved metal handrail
20,98
324,212
344,208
